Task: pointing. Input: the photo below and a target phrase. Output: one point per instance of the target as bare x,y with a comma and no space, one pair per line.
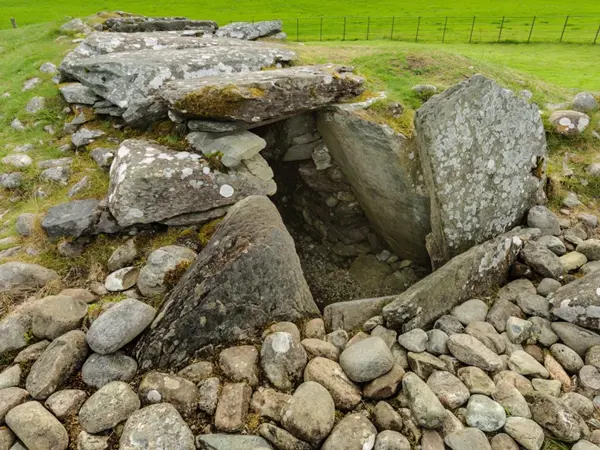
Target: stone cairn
495,349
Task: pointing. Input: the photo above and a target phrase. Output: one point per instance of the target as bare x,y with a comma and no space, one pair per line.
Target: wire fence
474,29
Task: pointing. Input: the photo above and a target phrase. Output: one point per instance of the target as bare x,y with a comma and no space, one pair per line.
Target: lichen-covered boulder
250,31
23,275
104,43
495,141
569,123
578,302
129,80
153,183
257,97
246,277
478,271
138,24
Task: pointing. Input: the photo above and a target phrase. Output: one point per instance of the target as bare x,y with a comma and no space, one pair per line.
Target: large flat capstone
475,272
103,43
259,97
137,24
247,276
383,168
130,79
153,183
482,149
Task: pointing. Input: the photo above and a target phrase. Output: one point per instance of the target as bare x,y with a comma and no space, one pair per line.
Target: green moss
207,231
221,101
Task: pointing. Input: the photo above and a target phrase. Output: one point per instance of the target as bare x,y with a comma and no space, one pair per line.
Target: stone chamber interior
341,255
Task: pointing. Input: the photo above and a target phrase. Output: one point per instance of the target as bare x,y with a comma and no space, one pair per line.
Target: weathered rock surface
47,433
578,302
99,370
138,24
152,183
427,410
56,315
119,325
9,398
71,219
160,262
257,97
471,351
310,414
501,149
154,427
351,315
329,374
473,273
383,168
258,273
250,31
231,442
23,275
59,361
111,404
367,359
551,414
353,432
66,402
128,79
569,123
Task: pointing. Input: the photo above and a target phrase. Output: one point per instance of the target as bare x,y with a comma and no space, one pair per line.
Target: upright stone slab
383,168
483,152
247,276
153,183
478,271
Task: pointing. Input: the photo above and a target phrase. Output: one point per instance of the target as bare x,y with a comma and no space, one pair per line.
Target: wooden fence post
297,29
368,26
344,36
501,27
13,22
418,26
597,33
564,28
321,30
472,28
392,33
445,26
531,30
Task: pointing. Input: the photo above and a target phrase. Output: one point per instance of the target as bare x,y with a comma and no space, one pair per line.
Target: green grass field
552,72
388,17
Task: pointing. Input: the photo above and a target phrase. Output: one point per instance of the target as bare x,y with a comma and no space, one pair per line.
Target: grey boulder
353,432
57,314
250,31
108,406
367,359
250,257
119,325
72,219
57,363
155,427
184,184
159,264
24,275
255,97
37,428
99,370
577,302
